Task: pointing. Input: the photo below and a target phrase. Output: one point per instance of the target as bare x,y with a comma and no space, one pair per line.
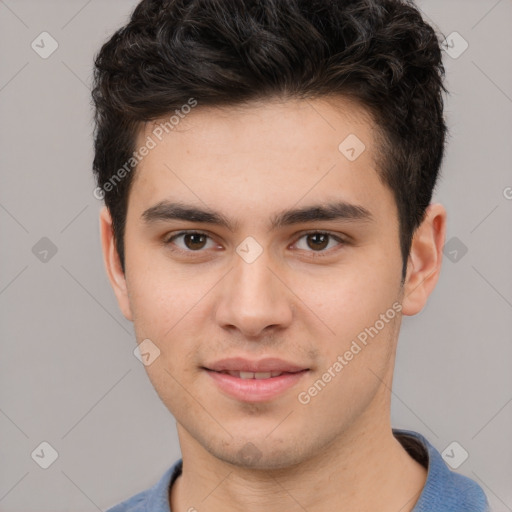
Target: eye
196,241
318,241
191,241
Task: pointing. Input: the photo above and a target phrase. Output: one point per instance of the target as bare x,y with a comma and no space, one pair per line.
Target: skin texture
250,164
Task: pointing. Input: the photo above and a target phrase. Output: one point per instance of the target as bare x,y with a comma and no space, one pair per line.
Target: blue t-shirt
444,490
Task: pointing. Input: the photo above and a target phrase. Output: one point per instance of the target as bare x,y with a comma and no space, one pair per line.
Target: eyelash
316,254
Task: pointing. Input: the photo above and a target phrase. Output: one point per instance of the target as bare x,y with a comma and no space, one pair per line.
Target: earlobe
112,263
424,264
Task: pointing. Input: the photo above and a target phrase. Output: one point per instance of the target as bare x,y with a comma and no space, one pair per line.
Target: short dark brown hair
380,53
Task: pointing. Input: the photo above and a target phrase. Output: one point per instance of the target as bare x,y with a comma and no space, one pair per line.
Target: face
293,267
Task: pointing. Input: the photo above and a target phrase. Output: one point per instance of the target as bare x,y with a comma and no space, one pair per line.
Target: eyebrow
341,210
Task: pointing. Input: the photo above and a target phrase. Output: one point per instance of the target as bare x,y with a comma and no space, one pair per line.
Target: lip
255,390
269,364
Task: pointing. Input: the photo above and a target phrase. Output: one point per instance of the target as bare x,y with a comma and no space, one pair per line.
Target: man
267,169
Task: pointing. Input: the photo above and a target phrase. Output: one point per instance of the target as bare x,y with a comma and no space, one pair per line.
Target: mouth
254,375
254,381
261,366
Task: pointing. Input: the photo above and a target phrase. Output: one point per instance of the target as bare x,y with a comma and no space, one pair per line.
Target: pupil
192,240
321,238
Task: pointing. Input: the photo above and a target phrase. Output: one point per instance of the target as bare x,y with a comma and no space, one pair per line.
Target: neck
365,469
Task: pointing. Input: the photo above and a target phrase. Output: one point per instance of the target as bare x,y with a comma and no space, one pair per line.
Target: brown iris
194,241
319,240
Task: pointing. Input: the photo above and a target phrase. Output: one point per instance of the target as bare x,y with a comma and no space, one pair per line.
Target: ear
112,262
424,263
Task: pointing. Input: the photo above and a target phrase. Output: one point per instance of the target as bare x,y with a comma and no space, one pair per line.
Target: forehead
271,124
262,153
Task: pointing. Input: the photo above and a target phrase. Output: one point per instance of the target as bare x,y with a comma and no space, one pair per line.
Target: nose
253,299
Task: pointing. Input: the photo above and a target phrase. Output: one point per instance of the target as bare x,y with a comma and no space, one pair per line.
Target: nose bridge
253,298
253,281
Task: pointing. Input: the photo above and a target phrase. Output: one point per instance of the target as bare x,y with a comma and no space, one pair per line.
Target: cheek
360,312
159,294
350,298
164,312
169,308
352,371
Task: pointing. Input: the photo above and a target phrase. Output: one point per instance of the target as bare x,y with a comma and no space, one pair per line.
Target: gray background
68,375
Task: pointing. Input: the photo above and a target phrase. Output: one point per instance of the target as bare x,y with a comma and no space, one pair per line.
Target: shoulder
444,490
136,503
154,499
